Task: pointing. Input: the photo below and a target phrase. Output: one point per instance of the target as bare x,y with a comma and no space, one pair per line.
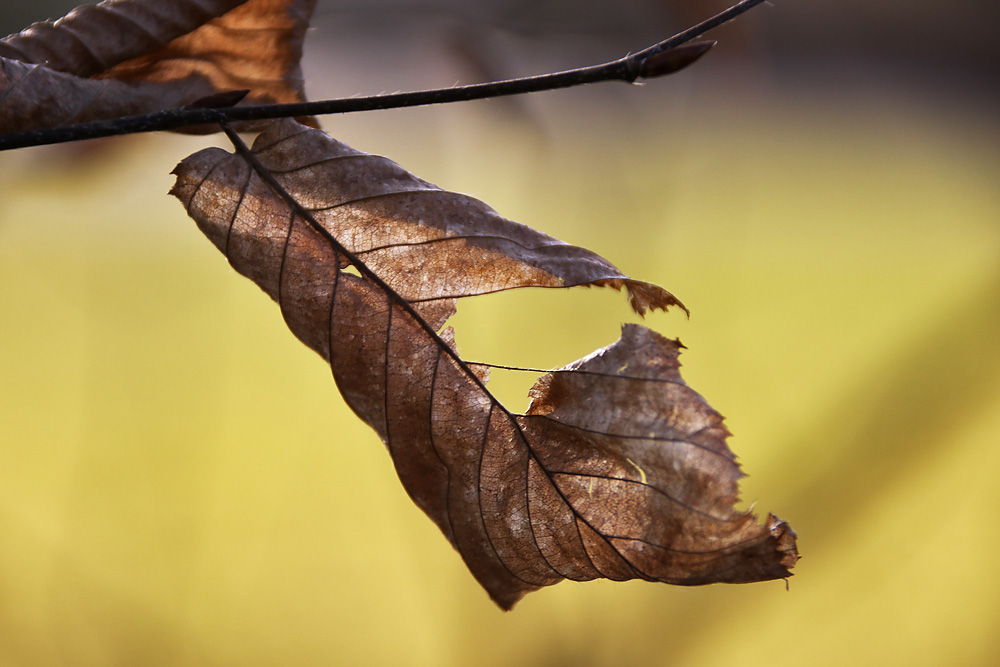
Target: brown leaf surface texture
619,470
126,57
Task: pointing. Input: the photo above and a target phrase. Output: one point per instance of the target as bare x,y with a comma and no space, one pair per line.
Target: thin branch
661,59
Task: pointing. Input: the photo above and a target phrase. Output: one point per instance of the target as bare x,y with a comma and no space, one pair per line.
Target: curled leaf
126,57
618,470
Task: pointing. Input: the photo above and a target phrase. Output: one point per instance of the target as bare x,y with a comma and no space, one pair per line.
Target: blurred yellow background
181,484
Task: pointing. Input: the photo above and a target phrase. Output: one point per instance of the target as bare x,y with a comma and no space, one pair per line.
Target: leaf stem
660,59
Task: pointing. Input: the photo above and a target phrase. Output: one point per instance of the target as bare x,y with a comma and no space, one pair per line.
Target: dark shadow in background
922,40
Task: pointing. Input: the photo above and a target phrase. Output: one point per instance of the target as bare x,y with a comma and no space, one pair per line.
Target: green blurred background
180,482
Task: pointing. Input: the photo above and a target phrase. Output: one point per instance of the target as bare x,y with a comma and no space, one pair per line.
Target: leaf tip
785,541
645,297
223,99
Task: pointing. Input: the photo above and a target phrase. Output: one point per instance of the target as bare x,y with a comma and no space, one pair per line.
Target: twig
663,58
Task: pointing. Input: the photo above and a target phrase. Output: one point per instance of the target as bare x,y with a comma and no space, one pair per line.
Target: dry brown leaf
619,470
127,57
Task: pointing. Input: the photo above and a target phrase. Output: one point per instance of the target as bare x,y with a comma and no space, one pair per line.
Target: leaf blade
610,474
128,57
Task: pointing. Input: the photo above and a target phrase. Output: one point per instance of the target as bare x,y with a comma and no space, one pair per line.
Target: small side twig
660,59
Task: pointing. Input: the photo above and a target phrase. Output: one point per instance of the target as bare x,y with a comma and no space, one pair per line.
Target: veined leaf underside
617,470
